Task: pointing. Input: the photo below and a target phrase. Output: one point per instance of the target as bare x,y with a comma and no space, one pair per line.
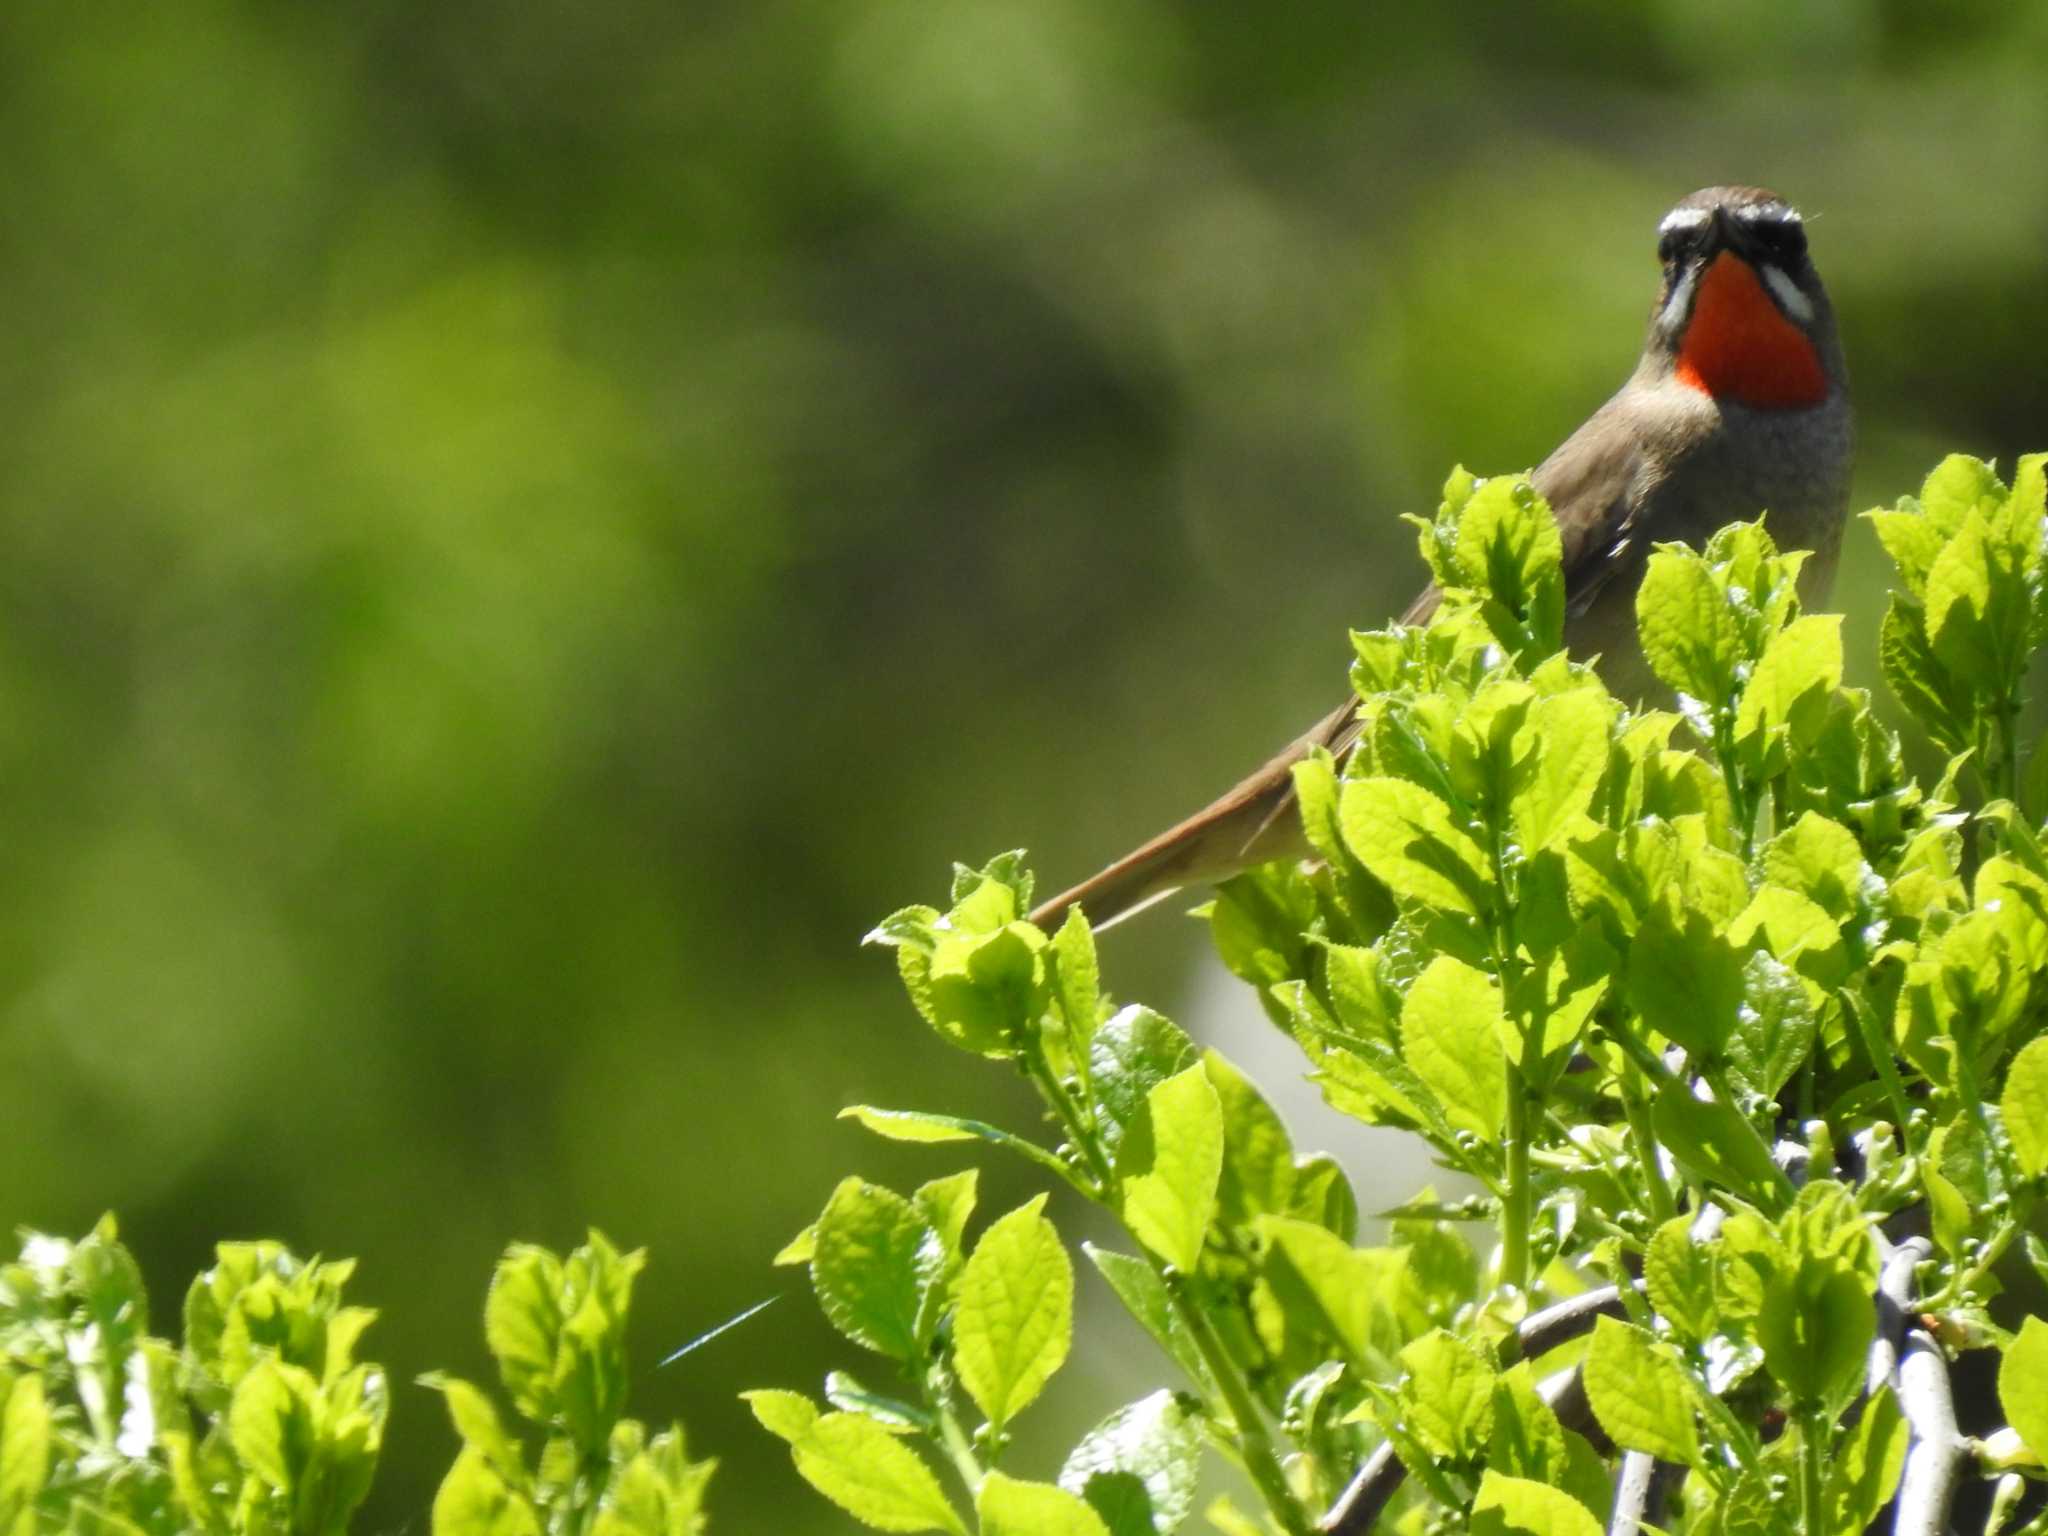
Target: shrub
264,1423
1732,1022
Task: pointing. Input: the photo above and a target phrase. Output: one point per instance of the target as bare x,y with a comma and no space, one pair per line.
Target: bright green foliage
1970,607
557,1329
853,1459
1007,1507
2023,1385
1514,1504
1640,1393
1168,1164
1015,1317
1701,989
1137,1468
264,1422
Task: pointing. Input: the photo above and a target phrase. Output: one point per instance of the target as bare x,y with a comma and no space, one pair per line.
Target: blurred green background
528,528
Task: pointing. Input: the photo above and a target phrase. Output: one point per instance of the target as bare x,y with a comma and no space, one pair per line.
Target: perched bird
1739,405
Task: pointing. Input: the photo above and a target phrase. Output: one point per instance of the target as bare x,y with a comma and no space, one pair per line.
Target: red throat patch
1739,347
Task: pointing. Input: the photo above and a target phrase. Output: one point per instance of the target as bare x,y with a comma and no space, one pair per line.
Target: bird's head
1742,316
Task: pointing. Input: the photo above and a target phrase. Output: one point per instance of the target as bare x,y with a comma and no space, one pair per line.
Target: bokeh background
524,529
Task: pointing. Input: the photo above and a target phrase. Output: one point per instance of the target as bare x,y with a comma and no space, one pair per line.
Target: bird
1739,405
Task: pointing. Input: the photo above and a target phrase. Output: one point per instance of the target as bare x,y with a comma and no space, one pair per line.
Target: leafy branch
1702,998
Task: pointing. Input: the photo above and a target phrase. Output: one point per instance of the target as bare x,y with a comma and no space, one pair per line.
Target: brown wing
1596,482
1591,488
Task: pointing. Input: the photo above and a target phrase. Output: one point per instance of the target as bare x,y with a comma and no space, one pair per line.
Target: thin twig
1360,1505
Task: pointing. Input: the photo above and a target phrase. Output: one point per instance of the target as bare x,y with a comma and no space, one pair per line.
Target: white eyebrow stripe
1795,303
1683,218
1757,213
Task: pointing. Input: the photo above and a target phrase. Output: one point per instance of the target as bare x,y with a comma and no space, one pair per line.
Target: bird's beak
1722,228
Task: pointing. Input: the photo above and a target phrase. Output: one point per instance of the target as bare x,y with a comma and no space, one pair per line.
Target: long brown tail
1253,824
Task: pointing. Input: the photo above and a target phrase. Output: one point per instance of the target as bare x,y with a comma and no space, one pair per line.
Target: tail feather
1253,824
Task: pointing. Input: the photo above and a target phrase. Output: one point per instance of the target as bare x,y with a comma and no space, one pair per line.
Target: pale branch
1937,1452
1362,1502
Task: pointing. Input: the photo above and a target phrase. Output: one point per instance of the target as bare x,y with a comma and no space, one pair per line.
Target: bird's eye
1783,241
1669,245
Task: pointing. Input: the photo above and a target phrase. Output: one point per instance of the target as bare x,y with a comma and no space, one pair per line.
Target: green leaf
1514,1506
24,1447
1138,1468
1912,541
476,1421
787,1415
1685,981
1715,1143
1815,1329
1562,772
475,1500
1323,1194
1144,1296
989,898
2023,1385
1008,1507
1505,540
946,1203
872,1475
1015,1317
1169,1166
1447,1397
2024,1106
1775,1029
1529,1442
523,1325
909,1124
1680,1275
1077,981
1316,795
1132,1054
870,1265
271,1422
655,1491
1956,487
1257,921
1796,929
1864,1474
1258,1155
1451,1029
981,989
1689,636
1640,1394
1790,685
922,1126
1405,836
1950,1215
1746,1255
1335,1294
1822,860
843,1390
1959,597
1917,677
1366,1003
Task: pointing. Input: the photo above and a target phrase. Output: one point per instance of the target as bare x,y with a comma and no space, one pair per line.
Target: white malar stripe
1679,305
1683,218
1790,299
